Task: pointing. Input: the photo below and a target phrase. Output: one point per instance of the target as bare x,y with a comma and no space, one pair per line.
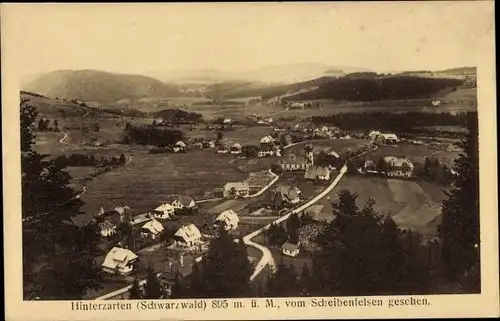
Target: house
119,261
370,167
374,134
222,150
107,228
174,270
164,211
187,235
180,146
318,133
181,201
152,229
290,249
389,138
268,139
436,103
228,220
235,149
209,144
198,146
293,162
236,189
141,219
317,172
288,193
269,120
399,167
227,121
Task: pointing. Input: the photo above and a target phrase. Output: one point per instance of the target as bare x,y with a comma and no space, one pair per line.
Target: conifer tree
135,292
459,230
153,288
225,269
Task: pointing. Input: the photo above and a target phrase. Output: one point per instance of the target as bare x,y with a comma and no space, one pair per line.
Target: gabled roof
164,208
188,232
185,200
236,145
141,218
290,192
237,186
398,161
315,171
229,217
106,225
180,144
118,256
290,247
174,267
153,226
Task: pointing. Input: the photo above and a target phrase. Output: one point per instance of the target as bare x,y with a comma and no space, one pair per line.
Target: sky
137,38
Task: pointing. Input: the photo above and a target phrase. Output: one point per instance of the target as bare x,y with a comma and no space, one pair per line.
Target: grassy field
411,204
147,179
416,153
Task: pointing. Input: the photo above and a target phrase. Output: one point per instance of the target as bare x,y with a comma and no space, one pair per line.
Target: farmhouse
227,121
187,235
238,189
235,149
107,228
152,229
399,167
228,220
288,193
389,138
268,139
164,211
290,249
222,149
374,134
293,163
269,150
370,167
208,144
119,261
180,146
141,219
317,172
176,270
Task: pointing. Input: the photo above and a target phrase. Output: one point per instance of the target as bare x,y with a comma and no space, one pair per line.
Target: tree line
151,135
399,123
378,88
86,160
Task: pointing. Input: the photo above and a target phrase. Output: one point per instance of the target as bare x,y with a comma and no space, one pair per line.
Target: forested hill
100,86
378,88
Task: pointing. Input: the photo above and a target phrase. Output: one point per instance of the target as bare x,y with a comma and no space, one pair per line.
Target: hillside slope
100,86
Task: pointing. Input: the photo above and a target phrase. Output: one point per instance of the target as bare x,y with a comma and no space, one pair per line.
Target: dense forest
150,135
178,116
399,123
376,89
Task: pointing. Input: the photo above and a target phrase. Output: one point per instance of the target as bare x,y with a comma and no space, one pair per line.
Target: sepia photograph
180,156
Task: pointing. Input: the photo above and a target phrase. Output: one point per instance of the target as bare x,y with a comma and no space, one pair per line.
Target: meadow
145,182
410,204
416,153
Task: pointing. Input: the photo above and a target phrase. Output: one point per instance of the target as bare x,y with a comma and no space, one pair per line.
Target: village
302,160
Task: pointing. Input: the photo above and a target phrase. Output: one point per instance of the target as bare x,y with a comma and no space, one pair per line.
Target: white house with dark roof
119,261
314,172
290,249
235,149
187,235
288,193
152,229
164,211
228,220
399,166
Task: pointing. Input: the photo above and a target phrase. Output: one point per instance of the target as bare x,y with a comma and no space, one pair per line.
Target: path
62,140
265,188
267,258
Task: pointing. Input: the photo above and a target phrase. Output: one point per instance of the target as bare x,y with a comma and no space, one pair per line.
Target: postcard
237,161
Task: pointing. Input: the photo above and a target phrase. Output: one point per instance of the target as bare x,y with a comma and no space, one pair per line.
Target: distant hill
98,86
462,71
270,75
